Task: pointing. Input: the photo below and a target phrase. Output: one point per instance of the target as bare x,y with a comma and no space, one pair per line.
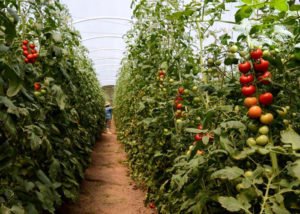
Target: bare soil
107,188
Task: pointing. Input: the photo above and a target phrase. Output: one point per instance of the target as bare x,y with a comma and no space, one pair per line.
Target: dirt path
107,188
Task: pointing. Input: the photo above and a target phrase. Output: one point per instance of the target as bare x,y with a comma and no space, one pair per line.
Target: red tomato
179,98
180,90
248,90
25,42
256,54
152,205
26,60
25,53
265,78
24,47
179,106
266,98
261,66
198,137
33,51
32,46
30,56
35,55
161,72
246,79
254,112
200,127
37,86
244,67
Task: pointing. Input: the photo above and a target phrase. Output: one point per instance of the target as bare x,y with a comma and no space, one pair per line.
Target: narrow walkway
107,188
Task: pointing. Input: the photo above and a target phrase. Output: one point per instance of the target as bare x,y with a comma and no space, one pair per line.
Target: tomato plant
242,157
51,107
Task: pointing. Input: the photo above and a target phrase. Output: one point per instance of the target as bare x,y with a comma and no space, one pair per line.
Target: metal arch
103,36
102,17
108,58
106,49
107,65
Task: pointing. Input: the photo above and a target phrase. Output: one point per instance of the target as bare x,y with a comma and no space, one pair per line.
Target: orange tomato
254,112
250,101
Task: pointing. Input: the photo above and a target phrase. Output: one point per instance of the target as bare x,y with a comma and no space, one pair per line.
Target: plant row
209,116
51,107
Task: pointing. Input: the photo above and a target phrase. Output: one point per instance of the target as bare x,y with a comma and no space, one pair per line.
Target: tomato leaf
229,173
280,5
230,203
289,136
244,12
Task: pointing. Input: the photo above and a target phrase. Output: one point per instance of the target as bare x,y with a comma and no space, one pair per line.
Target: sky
106,61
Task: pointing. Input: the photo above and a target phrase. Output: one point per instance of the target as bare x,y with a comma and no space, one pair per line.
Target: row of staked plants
207,105
51,107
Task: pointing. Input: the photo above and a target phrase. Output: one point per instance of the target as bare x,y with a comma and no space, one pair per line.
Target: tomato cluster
249,81
178,103
29,52
39,89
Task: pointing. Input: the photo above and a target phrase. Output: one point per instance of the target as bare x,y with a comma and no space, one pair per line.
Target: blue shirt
108,112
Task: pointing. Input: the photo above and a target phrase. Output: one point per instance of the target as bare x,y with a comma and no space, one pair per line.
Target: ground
107,188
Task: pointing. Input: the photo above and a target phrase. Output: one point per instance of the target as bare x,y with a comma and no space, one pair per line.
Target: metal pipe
102,17
103,36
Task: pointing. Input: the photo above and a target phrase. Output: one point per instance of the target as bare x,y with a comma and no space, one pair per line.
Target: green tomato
239,187
171,80
268,172
178,121
248,174
166,130
43,91
252,127
210,61
195,88
37,93
266,53
233,49
217,63
251,142
196,99
262,140
243,53
263,130
186,91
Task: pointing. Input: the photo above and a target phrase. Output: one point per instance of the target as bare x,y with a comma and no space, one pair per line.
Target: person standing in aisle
108,117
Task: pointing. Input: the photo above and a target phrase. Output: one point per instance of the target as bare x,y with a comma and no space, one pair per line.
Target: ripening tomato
198,137
256,54
250,101
254,112
265,78
200,152
180,90
266,98
200,127
266,118
25,42
248,90
179,106
246,79
244,67
261,66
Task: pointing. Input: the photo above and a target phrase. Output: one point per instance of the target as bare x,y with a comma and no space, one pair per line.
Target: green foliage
46,135
214,168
